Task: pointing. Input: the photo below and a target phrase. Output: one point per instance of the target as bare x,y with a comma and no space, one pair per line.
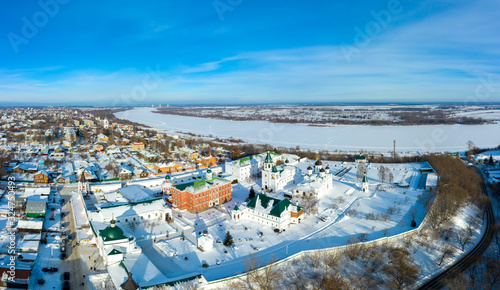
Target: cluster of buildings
278,173
125,181
23,214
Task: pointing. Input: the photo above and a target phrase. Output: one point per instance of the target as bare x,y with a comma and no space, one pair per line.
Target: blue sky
242,51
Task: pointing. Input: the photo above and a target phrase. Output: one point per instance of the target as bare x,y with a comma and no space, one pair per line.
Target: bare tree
265,278
413,213
360,171
352,213
492,271
390,177
464,236
362,237
426,198
401,269
132,225
382,173
446,251
473,273
459,282
353,248
310,203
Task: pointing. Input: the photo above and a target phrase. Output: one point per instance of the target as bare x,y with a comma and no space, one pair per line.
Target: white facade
280,177
114,245
149,210
317,181
269,211
245,168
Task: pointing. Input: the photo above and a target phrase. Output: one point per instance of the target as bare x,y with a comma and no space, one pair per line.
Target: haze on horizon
230,52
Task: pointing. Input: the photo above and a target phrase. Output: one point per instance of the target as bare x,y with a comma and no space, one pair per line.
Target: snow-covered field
495,154
493,115
433,138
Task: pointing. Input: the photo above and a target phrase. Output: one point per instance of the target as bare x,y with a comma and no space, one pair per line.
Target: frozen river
342,137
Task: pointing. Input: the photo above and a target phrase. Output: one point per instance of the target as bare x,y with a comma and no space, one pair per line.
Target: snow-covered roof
122,210
30,225
432,180
200,185
134,193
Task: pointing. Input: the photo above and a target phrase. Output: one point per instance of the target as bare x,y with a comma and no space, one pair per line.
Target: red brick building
201,194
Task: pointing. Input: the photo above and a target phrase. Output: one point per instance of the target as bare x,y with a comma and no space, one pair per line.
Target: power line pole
394,151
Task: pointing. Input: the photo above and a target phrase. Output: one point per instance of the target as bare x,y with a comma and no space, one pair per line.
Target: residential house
102,138
136,146
125,174
36,208
41,177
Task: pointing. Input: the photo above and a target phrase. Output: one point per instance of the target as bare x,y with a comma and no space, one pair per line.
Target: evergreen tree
228,240
252,193
491,159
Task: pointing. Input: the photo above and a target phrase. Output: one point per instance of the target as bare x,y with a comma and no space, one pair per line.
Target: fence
338,249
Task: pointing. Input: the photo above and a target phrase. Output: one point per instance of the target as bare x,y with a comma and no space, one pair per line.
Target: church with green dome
114,244
112,233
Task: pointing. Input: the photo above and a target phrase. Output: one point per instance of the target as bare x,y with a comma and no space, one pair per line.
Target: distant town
95,202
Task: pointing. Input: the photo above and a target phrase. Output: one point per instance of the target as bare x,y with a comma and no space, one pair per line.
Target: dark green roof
167,177
359,157
268,159
198,184
264,201
112,234
274,169
365,179
277,206
183,186
236,207
114,252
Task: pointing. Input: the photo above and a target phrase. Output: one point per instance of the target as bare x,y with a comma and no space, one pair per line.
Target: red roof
21,274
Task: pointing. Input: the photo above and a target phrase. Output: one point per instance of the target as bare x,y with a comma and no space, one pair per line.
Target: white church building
248,167
317,181
269,211
275,178
114,245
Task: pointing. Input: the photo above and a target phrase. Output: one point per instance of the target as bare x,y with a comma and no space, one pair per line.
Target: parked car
63,256
63,233
63,249
66,276
50,269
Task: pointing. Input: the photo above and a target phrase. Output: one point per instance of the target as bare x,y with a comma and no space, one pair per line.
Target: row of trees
458,186
327,117
356,267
